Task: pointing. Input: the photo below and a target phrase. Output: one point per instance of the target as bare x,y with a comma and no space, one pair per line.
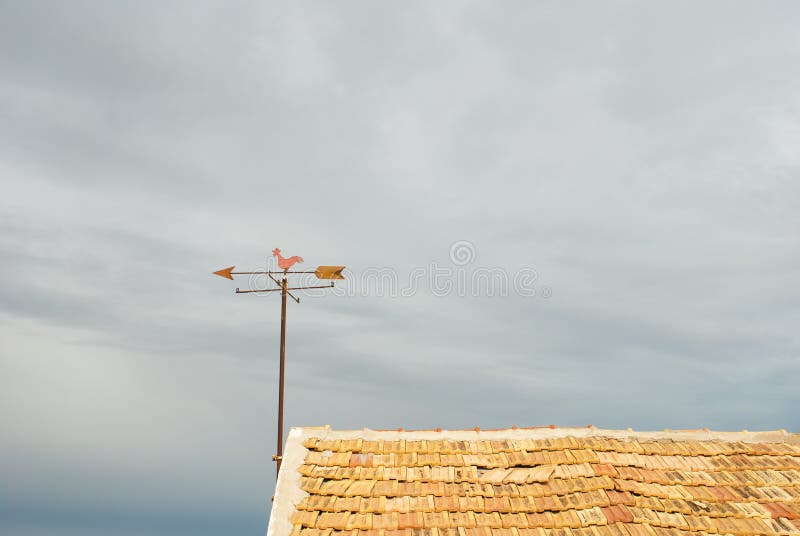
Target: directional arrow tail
329,272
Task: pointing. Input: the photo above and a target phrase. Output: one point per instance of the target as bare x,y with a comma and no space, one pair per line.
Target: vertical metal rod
280,388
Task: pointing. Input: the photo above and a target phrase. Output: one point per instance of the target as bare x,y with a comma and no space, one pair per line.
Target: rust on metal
257,272
279,456
238,291
292,296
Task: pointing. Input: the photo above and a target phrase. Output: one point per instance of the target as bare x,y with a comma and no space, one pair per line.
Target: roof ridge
552,430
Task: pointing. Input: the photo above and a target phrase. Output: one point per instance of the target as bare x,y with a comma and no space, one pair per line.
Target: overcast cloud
642,160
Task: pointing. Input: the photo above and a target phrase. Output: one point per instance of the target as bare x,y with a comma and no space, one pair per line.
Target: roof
537,482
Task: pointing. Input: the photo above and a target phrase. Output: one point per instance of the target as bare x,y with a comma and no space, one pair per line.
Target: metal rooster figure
283,263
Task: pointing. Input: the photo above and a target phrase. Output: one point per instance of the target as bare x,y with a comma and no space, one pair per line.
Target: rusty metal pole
279,457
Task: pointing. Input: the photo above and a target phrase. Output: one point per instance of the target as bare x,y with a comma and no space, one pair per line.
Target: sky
569,213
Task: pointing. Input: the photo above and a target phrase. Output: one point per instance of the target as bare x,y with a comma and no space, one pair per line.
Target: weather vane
322,272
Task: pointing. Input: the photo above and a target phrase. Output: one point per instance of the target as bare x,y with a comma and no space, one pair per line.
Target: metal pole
279,457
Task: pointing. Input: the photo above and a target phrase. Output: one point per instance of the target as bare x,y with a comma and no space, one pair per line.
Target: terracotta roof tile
488,519
617,514
592,516
540,519
620,497
541,483
410,520
329,520
777,510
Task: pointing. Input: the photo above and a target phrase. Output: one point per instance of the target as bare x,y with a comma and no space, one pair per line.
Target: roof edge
766,436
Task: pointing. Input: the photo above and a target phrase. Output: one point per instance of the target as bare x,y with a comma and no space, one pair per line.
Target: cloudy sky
630,170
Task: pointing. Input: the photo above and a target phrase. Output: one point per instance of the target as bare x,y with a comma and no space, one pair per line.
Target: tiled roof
551,482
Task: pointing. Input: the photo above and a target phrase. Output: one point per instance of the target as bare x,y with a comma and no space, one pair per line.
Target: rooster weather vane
285,264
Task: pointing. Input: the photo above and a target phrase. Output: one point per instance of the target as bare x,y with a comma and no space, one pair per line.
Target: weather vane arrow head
225,272
329,272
